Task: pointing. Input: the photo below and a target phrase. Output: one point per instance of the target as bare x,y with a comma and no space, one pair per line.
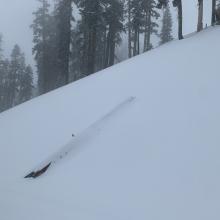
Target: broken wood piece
38,173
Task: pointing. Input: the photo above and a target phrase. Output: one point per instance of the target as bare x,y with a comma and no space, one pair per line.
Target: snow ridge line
71,145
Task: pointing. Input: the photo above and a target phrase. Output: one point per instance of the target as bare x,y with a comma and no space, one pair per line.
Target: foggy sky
16,18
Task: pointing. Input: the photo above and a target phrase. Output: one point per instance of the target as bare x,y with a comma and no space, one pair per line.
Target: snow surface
155,158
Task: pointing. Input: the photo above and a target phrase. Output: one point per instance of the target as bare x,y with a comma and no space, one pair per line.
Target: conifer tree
45,48
137,24
40,27
63,15
77,55
16,73
5,85
151,27
2,78
129,28
92,13
26,84
114,26
142,16
166,30
15,79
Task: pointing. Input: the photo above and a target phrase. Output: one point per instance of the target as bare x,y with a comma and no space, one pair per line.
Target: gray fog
16,18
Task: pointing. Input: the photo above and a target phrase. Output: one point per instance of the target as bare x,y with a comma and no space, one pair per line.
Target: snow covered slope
146,142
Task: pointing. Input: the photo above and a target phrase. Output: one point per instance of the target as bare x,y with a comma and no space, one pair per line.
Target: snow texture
77,143
155,158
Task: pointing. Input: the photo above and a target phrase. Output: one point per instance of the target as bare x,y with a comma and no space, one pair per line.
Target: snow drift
155,158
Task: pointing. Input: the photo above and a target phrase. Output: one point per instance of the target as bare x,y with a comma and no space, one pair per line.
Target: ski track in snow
78,141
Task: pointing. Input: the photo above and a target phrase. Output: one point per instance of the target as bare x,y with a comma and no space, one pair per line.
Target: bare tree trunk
112,53
218,15
110,48
44,81
146,30
138,41
92,52
129,29
200,15
135,43
213,12
65,16
107,49
104,49
145,41
180,20
84,61
148,44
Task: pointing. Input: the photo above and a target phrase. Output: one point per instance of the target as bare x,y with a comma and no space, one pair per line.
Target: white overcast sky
16,18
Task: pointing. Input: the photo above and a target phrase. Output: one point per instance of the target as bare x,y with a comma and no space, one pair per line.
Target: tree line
67,48
16,79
